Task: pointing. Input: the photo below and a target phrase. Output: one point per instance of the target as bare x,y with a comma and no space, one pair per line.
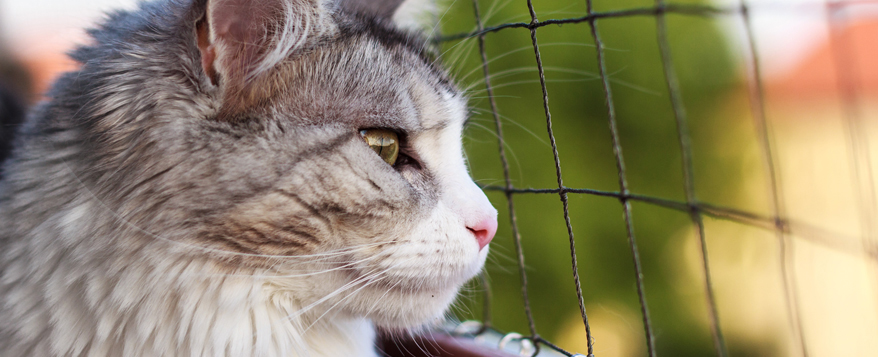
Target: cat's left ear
419,15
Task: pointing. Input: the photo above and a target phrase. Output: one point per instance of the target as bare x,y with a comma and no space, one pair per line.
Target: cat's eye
384,142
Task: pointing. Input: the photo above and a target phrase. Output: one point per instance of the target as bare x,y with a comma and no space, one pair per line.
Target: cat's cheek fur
423,273
421,276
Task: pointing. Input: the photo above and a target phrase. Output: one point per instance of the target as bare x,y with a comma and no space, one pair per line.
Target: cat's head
266,134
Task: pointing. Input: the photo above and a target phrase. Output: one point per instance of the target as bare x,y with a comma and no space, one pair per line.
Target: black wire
623,180
757,104
561,193
508,180
695,10
684,140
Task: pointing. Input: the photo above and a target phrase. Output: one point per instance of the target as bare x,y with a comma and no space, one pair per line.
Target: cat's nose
484,231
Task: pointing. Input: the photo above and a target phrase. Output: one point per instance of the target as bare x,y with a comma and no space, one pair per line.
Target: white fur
416,15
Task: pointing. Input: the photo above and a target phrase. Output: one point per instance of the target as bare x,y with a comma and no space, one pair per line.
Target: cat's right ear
240,40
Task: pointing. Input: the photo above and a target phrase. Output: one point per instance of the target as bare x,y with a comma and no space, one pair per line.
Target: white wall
30,26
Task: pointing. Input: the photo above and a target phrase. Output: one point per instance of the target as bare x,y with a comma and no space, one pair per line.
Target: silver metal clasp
526,346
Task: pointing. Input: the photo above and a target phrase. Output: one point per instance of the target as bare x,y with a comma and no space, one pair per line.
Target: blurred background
819,74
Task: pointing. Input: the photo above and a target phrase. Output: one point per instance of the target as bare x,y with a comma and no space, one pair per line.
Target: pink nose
484,231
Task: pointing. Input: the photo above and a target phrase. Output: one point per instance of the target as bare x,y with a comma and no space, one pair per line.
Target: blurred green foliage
708,75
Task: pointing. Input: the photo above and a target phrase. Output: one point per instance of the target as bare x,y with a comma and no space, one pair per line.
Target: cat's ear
406,14
241,39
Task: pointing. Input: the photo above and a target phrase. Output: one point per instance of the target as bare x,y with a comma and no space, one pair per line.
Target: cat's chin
403,309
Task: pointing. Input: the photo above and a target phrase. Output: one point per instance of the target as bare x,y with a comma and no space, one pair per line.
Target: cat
240,178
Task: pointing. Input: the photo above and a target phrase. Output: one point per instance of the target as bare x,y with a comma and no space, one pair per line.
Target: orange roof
45,68
854,49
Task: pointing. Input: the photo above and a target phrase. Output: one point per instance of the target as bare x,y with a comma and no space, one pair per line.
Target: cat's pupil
384,142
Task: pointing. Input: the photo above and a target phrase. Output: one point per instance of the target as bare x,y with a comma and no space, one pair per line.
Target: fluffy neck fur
144,299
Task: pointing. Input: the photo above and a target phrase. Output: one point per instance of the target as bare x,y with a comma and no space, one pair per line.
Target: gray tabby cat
239,178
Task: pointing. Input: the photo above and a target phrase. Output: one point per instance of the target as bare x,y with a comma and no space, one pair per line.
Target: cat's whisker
318,258
500,249
476,86
588,74
432,341
466,297
491,60
489,130
471,139
479,69
331,295
508,148
495,9
467,43
505,270
501,256
519,70
456,48
370,279
495,96
488,182
380,299
334,253
470,46
532,81
451,62
463,50
422,349
495,262
526,129
396,343
429,36
366,277
341,267
344,266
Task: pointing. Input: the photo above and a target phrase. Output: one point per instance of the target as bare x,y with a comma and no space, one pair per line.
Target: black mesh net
679,120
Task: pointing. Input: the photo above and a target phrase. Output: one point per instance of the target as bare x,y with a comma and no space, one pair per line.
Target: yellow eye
384,142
